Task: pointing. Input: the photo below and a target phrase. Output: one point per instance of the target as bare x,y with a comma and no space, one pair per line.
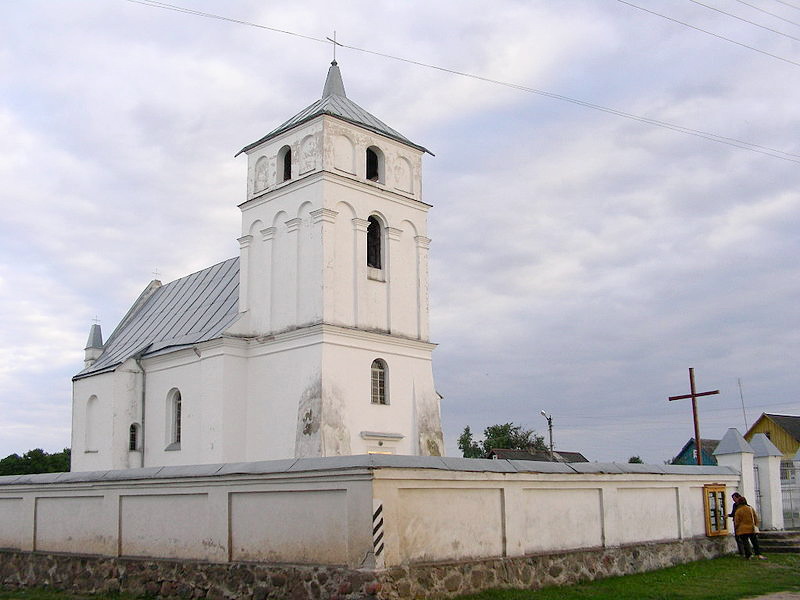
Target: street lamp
550,429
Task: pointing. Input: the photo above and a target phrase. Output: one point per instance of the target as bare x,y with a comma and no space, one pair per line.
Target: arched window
378,395
374,170
374,243
174,420
133,437
285,163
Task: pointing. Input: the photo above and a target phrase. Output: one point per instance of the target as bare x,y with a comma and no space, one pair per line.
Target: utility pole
550,429
694,395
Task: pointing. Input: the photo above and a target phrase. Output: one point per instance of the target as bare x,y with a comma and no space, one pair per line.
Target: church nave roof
187,311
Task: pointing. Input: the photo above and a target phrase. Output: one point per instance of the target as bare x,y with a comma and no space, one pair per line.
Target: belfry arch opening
285,163
374,166
374,243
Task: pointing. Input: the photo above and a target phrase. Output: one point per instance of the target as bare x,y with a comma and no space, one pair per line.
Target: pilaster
360,227
244,271
392,253
268,237
423,246
767,461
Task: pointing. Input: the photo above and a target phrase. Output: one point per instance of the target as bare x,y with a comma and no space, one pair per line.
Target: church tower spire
334,86
94,345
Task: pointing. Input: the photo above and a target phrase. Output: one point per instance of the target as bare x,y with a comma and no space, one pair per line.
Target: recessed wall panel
454,523
291,526
647,514
558,519
71,525
11,523
164,526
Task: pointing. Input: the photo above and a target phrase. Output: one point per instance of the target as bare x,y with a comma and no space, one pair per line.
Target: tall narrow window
176,437
378,395
133,437
285,163
174,420
374,158
374,235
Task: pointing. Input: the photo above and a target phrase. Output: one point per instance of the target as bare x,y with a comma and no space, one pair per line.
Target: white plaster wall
70,524
281,374
164,525
212,381
694,522
557,519
347,362
290,526
12,522
649,513
449,524
100,457
398,302
318,511
252,515
440,515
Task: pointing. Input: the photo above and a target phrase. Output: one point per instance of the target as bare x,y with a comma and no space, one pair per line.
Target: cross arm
693,395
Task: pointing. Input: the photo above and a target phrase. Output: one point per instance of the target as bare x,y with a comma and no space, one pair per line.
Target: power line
716,35
771,14
664,124
713,137
199,13
789,4
732,16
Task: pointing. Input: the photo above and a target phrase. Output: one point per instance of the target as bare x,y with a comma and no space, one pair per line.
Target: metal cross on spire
335,43
694,395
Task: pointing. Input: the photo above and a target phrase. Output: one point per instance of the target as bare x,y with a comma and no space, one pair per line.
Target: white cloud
581,262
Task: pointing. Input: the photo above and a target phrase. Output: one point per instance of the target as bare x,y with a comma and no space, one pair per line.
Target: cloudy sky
581,262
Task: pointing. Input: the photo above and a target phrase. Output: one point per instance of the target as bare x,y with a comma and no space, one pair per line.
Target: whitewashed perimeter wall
322,511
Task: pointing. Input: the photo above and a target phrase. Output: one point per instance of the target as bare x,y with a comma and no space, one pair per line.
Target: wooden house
782,430
688,456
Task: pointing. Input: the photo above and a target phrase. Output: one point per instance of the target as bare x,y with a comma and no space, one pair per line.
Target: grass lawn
728,578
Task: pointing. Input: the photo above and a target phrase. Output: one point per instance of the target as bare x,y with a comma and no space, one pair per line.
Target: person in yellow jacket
745,527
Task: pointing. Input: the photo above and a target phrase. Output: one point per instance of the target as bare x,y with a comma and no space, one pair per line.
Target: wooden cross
694,396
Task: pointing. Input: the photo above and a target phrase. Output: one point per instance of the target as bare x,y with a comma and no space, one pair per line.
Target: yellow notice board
715,509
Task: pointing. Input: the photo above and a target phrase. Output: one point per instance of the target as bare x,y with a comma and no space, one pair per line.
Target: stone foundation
222,581
442,580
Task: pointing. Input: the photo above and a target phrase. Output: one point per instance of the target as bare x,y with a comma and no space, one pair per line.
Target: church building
313,342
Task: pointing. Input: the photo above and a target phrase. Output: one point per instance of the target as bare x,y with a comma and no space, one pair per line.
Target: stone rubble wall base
173,579
441,580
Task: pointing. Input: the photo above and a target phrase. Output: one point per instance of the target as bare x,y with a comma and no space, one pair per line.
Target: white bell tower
334,285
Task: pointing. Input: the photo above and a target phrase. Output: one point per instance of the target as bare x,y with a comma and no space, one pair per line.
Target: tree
35,461
636,460
469,448
507,435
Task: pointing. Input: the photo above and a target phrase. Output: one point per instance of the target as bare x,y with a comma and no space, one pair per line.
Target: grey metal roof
189,310
732,443
362,461
335,103
790,423
538,455
95,337
762,446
